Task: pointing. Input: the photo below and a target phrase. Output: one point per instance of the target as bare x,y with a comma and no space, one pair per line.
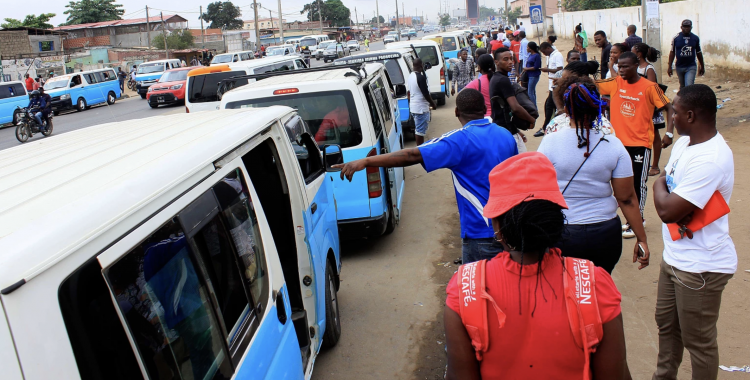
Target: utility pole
403,13
377,15
397,22
164,33
203,37
273,35
651,29
507,14
356,16
148,29
320,18
544,18
281,24
257,30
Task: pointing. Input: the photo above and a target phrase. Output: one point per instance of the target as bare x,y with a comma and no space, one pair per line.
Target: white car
353,45
318,53
389,38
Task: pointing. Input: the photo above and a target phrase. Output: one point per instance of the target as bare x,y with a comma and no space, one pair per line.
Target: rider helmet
34,93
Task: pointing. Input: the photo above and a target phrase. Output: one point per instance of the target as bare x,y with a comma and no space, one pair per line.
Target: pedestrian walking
646,70
695,268
600,39
632,38
420,101
528,333
554,65
367,44
633,100
533,65
29,82
689,46
591,166
523,56
505,106
463,71
482,84
470,153
582,42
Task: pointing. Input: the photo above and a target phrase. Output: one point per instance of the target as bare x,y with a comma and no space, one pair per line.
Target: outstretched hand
348,169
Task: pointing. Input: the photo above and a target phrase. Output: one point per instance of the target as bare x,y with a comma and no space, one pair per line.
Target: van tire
111,98
333,318
441,101
81,104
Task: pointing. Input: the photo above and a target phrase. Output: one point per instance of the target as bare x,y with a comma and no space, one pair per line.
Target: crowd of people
541,233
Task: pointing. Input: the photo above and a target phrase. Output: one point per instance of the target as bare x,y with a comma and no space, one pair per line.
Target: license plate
160,99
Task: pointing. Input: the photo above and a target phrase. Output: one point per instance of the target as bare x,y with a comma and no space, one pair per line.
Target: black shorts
660,125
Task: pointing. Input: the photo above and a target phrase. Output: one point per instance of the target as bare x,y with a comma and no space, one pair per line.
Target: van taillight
442,75
374,185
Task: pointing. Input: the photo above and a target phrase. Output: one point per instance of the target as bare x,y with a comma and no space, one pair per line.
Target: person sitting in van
338,118
75,81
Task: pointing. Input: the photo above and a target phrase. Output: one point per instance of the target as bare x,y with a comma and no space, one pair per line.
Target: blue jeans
477,249
584,57
38,117
421,120
686,75
532,89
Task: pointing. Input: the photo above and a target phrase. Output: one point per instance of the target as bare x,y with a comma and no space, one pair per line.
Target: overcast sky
290,8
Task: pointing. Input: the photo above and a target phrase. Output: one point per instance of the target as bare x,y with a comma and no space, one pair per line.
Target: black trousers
641,159
549,110
600,242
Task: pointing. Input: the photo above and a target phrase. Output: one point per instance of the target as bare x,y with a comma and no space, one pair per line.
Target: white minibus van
429,51
312,41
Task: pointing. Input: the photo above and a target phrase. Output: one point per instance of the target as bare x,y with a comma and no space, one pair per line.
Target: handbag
713,210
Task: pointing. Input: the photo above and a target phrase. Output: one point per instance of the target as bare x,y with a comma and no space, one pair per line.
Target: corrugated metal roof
57,193
132,21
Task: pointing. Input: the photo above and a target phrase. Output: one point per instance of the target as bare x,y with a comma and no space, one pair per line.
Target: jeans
584,57
38,118
478,249
421,121
686,75
532,89
600,243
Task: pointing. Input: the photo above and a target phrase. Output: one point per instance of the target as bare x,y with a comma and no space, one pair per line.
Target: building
263,23
36,51
119,33
209,35
306,25
524,5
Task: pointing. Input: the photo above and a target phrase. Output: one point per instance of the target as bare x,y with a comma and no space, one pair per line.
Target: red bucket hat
521,178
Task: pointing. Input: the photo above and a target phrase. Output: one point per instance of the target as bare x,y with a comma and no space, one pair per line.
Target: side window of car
300,64
377,125
192,293
305,148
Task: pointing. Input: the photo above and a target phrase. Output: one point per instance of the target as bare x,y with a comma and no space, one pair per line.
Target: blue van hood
139,77
57,92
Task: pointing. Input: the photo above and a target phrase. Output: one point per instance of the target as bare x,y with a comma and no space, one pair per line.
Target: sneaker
625,227
628,234
539,133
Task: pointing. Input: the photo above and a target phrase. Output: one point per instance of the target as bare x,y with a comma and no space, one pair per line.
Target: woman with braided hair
574,72
529,333
590,166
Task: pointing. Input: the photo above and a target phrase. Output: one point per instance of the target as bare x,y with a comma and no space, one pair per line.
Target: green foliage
513,15
485,12
87,11
374,21
181,39
223,15
332,10
445,20
31,21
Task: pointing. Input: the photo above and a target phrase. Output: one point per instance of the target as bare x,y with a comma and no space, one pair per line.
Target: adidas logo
638,159
640,93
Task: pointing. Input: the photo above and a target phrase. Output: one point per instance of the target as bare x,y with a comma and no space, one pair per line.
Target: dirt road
392,291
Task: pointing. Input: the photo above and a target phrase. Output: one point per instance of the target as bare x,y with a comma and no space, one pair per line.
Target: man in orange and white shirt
631,109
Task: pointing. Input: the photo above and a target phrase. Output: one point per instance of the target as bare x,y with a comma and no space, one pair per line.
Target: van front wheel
111,98
333,319
81,104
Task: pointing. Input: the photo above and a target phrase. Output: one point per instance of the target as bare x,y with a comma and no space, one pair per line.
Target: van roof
407,44
159,61
59,193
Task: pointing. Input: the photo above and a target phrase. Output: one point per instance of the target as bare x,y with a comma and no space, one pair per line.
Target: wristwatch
669,134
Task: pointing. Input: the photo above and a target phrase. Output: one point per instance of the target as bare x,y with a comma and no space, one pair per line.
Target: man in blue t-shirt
470,153
686,47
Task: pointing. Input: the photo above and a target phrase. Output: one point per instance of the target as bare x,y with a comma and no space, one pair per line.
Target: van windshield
173,76
204,88
148,68
276,51
222,58
331,116
308,42
56,83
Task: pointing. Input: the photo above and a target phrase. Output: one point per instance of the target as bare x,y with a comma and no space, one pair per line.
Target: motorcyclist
36,105
47,99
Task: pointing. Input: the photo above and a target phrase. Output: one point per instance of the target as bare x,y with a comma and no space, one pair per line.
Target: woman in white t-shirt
590,165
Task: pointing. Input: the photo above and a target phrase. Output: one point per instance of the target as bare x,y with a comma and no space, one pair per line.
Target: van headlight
176,87
64,96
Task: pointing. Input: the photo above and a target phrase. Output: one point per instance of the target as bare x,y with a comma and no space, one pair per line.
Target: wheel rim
22,134
80,104
111,98
334,301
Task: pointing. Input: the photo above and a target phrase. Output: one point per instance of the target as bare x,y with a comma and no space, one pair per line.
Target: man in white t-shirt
695,268
554,67
420,101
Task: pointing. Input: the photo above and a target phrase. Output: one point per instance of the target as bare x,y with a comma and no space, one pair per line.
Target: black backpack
514,124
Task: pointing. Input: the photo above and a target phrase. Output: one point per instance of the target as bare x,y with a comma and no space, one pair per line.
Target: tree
445,20
31,21
374,21
332,10
87,11
485,12
181,39
223,15
513,15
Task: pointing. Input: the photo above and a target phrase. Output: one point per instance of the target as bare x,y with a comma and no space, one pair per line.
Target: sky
189,9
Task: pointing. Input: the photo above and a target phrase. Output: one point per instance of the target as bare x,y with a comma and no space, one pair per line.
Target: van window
91,78
56,82
100,76
11,90
394,71
245,56
382,96
222,58
300,64
307,152
203,88
111,75
149,68
374,112
308,42
331,116
449,44
428,54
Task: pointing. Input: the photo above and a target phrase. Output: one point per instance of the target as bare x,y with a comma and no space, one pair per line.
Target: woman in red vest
528,333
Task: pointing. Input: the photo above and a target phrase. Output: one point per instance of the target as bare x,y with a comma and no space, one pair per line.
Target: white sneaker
625,227
628,234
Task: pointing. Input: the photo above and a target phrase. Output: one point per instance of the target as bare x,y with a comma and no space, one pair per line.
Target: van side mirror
332,156
400,90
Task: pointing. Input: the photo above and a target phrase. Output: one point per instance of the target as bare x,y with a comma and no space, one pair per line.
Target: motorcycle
131,84
27,124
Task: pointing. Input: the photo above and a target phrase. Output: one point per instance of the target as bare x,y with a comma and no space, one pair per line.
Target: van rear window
331,116
449,44
428,54
203,88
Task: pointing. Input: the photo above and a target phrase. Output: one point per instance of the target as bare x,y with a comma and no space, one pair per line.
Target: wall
14,42
35,39
89,60
720,24
86,42
14,69
536,30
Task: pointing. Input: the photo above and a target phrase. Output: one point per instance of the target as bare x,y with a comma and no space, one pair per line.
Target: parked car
321,48
150,72
232,57
170,89
12,95
83,89
353,109
272,51
335,51
412,32
198,246
353,45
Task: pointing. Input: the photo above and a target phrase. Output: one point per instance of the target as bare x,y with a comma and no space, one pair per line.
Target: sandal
653,172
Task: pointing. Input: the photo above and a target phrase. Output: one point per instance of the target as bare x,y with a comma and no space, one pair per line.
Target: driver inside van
76,81
338,118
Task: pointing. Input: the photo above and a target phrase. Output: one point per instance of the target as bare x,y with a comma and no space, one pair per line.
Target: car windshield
55,83
351,43
148,68
331,47
324,45
222,58
332,116
173,76
277,51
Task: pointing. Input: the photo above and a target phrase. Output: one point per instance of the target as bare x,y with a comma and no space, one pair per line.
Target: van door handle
280,307
313,207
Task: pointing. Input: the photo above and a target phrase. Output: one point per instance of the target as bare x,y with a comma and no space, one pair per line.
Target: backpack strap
583,310
472,303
